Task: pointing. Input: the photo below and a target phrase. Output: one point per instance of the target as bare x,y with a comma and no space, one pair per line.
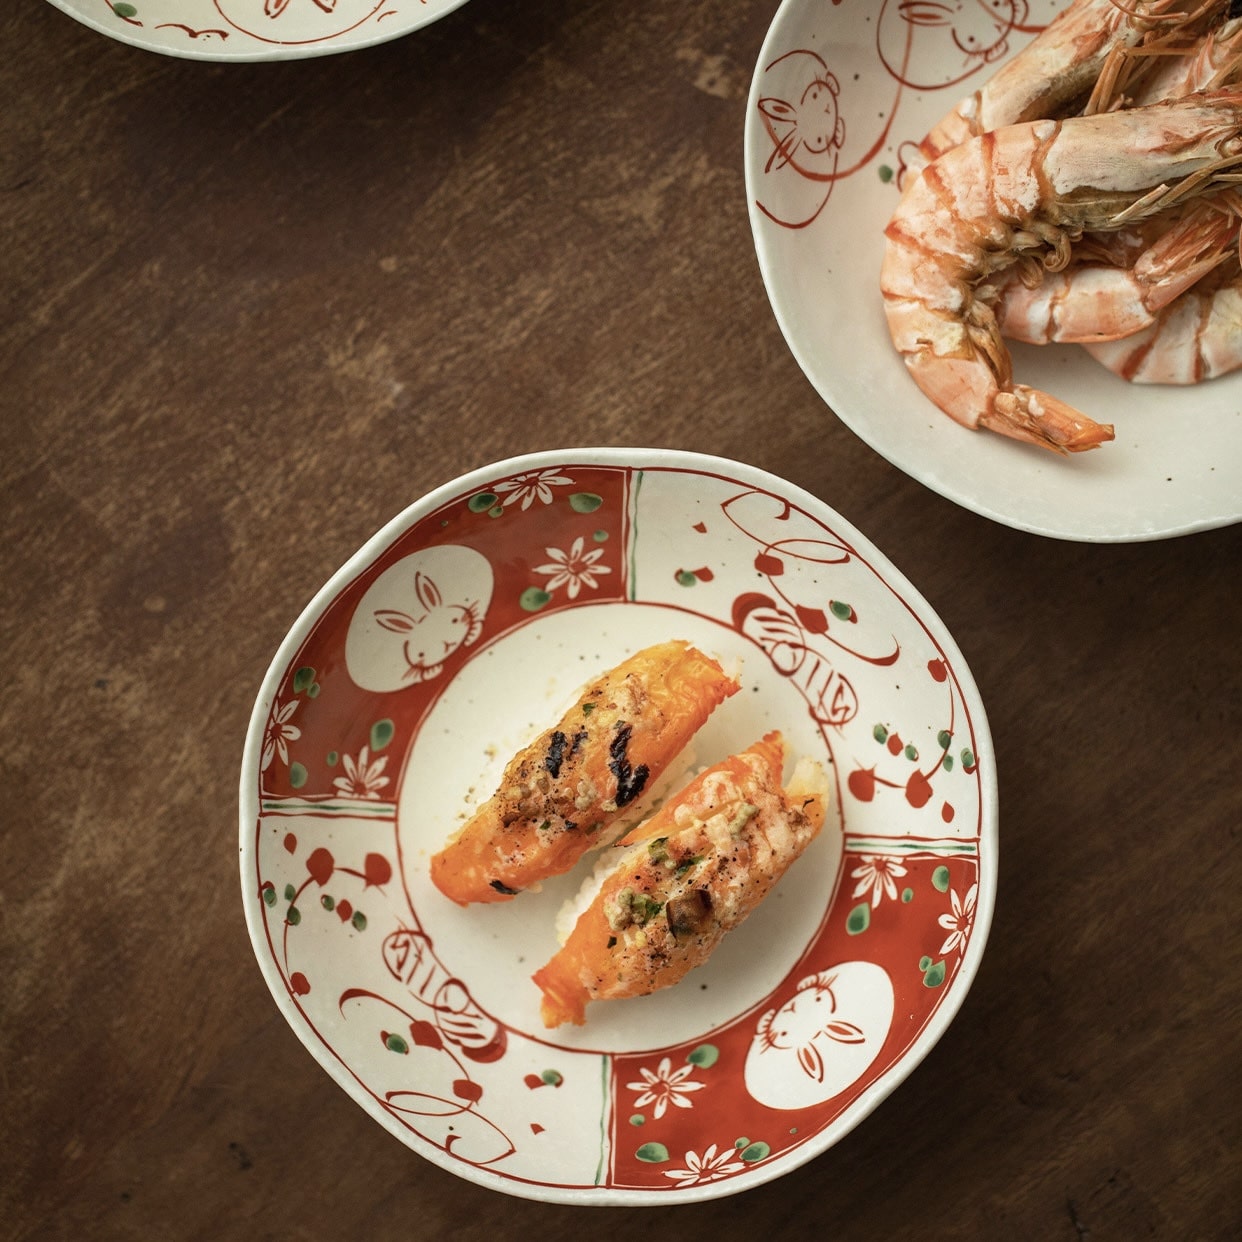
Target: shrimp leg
1174,68
1090,302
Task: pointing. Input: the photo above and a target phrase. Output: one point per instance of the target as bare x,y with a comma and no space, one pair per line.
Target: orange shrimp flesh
1032,189
1195,338
693,872
559,795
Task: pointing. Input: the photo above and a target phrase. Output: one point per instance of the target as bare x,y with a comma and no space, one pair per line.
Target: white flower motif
959,923
709,1167
363,779
280,732
877,875
573,567
531,487
666,1086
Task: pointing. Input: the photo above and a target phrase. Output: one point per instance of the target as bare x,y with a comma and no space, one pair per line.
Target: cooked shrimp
1117,283
561,794
692,873
1022,190
1197,337
1054,73
1090,302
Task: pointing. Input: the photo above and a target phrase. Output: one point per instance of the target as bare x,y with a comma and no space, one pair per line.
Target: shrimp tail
985,396
1039,418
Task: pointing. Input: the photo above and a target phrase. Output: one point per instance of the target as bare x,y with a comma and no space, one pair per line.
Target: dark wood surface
250,313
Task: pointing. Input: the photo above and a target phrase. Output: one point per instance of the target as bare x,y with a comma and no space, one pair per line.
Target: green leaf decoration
704,1056
496,511
124,10
481,501
968,757
944,739
754,1152
359,920
600,536
269,896
947,763
381,733
652,1153
533,598
585,502
394,1043
290,892
858,919
303,678
924,962
911,751
294,917
940,879
333,758
298,775
933,977
886,173
552,1077
686,578
312,691
638,1120
840,610
880,733
739,1143
907,895
328,901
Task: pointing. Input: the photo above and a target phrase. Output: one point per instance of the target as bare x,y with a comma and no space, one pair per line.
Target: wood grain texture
249,314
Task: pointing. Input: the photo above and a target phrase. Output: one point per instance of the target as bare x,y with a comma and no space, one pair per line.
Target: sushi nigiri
561,795
694,871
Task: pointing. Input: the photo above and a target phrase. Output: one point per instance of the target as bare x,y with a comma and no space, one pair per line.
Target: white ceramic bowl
839,96
243,30
365,751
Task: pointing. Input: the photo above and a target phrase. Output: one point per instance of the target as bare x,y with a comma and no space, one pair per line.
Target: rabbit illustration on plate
415,615
823,1038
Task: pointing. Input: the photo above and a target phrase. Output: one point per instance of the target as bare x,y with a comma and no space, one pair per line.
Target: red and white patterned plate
463,628
841,94
255,29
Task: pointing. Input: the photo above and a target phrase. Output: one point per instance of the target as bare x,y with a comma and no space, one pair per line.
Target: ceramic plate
255,29
841,94
464,628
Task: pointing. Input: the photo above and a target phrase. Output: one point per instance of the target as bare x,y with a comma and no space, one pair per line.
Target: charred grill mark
556,753
501,887
561,748
630,780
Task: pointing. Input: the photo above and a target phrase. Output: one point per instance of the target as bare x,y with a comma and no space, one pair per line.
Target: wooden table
251,312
